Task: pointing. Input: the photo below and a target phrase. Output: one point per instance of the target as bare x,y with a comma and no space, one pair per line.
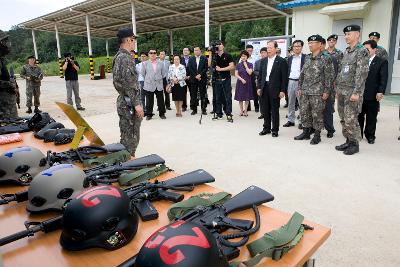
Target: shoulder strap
277,243
177,210
142,175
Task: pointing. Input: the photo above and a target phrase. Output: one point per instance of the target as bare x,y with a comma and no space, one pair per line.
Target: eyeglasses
152,53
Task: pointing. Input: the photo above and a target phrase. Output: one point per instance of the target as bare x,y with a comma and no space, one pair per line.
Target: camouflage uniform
315,79
8,100
33,85
336,56
353,72
126,83
381,52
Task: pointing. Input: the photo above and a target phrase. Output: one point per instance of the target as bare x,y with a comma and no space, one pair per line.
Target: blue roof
301,3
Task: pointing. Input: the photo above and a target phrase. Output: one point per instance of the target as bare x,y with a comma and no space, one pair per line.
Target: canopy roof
107,16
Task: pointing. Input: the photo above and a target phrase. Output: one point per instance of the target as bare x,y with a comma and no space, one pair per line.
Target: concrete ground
357,196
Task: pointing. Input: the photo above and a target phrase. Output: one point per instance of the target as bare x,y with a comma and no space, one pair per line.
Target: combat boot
316,139
352,148
29,110
343,147
305,135
37,110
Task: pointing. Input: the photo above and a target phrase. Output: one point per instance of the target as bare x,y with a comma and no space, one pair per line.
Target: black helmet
21,164
51,188
102,216
181,244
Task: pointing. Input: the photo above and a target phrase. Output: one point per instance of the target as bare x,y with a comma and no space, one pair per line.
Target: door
395,86
337,28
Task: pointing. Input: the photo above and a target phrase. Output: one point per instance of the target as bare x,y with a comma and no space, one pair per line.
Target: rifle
144,193
141,192
13,79
81,153
46,226
93,174
215,219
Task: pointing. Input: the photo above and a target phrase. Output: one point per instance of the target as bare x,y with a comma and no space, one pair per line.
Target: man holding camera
223,90
33,75
71,68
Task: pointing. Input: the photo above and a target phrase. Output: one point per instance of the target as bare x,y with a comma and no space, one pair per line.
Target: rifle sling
142,175
177,210
277,243
112,158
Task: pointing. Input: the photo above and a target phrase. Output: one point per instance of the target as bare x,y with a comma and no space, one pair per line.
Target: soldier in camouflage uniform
8,98
125,80
350,84
315,86
336,56
33,75
380,51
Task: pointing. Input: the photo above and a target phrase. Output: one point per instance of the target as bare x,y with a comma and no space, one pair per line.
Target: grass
52,68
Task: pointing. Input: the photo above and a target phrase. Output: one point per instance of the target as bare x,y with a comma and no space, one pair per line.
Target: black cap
333,36
315,38
31,56
352,28
125,32
376,34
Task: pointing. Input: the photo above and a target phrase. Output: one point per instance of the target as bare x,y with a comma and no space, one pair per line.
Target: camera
214,46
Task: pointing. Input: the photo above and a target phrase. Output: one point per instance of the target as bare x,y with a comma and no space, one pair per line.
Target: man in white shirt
295,65
272,86
166,65
143,58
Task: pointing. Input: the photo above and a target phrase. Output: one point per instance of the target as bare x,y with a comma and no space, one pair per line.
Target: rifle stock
193,178
247,198
149,160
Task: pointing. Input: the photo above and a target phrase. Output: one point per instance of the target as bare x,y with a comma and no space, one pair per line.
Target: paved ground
357,196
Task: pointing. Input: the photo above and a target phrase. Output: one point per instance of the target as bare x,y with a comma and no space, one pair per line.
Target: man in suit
375,86
153,73
185,62
166,65
197,71
272,85
256,72
295,65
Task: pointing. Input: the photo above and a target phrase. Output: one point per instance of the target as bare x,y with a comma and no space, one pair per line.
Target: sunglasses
152,53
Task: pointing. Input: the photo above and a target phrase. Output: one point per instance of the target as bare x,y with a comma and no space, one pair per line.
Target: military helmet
102,216
181,244
21,164
51,188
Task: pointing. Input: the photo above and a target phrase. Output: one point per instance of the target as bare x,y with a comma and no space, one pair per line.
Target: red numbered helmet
102,216
181,244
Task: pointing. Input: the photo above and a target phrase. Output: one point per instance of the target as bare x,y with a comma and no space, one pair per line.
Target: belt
294,79
221,80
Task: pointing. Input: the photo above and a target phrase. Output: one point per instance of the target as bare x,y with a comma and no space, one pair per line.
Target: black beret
31,56
333,36
376,34
125,32
316,38
352,28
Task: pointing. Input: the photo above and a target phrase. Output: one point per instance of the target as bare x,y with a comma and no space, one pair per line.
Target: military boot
343,147
29,110
305,135
352,148
316,139
37,110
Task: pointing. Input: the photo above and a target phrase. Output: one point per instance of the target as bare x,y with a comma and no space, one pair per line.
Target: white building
326,17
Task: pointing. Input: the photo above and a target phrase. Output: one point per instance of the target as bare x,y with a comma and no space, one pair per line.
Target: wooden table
44,249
